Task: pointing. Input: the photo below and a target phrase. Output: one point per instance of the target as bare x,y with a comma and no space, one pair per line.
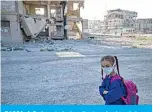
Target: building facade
10,27
85,25
74,20
116,20
144,25
95,26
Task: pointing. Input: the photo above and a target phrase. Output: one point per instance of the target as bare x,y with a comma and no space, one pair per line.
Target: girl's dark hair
112,59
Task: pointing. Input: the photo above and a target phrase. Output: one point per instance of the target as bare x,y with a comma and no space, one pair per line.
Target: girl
111,91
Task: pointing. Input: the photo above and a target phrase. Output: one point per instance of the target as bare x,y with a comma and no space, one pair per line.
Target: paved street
70,77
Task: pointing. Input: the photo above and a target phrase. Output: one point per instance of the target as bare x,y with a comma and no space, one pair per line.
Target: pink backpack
132,98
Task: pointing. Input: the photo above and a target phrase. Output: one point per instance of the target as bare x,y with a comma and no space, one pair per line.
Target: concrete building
53,11
116,20
74,20
144,25
95,26
10,27
85,25
28,20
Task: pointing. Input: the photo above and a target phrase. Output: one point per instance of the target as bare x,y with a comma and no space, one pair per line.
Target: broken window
58,12
121,16
39,11
5,26
75,6
5,31
53,12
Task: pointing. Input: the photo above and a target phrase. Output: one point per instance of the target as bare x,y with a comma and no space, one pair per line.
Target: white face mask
108,70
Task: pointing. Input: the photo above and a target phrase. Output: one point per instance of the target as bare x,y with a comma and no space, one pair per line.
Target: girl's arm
102,88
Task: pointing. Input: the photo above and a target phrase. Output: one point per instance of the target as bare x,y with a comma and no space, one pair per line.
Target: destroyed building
144,26
74,20
118,21
85,25
125,22
95,26
31,20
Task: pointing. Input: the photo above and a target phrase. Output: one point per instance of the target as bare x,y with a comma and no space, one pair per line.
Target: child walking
112,91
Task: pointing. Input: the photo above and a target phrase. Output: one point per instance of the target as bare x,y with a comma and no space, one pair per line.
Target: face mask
108,70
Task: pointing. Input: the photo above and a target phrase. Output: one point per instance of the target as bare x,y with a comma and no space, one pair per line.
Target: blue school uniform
115,89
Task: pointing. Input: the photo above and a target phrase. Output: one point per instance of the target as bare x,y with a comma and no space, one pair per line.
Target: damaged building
85,25
125,23
144,26
95,26
74,20
31,20
119,21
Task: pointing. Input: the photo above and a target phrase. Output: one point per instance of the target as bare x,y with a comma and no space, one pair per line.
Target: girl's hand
105,92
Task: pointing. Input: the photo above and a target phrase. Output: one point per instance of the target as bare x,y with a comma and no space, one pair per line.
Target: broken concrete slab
33,25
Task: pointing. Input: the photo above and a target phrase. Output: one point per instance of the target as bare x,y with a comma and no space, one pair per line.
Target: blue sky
96,9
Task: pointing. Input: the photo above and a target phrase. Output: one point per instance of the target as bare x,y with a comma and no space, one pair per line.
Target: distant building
116,20
95,26
144,25
85,25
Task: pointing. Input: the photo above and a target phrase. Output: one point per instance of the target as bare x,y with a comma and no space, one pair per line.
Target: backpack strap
115,78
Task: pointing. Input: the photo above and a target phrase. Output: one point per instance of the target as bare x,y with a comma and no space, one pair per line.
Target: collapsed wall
32,26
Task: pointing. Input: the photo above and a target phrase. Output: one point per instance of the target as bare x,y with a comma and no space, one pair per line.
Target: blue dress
116,90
